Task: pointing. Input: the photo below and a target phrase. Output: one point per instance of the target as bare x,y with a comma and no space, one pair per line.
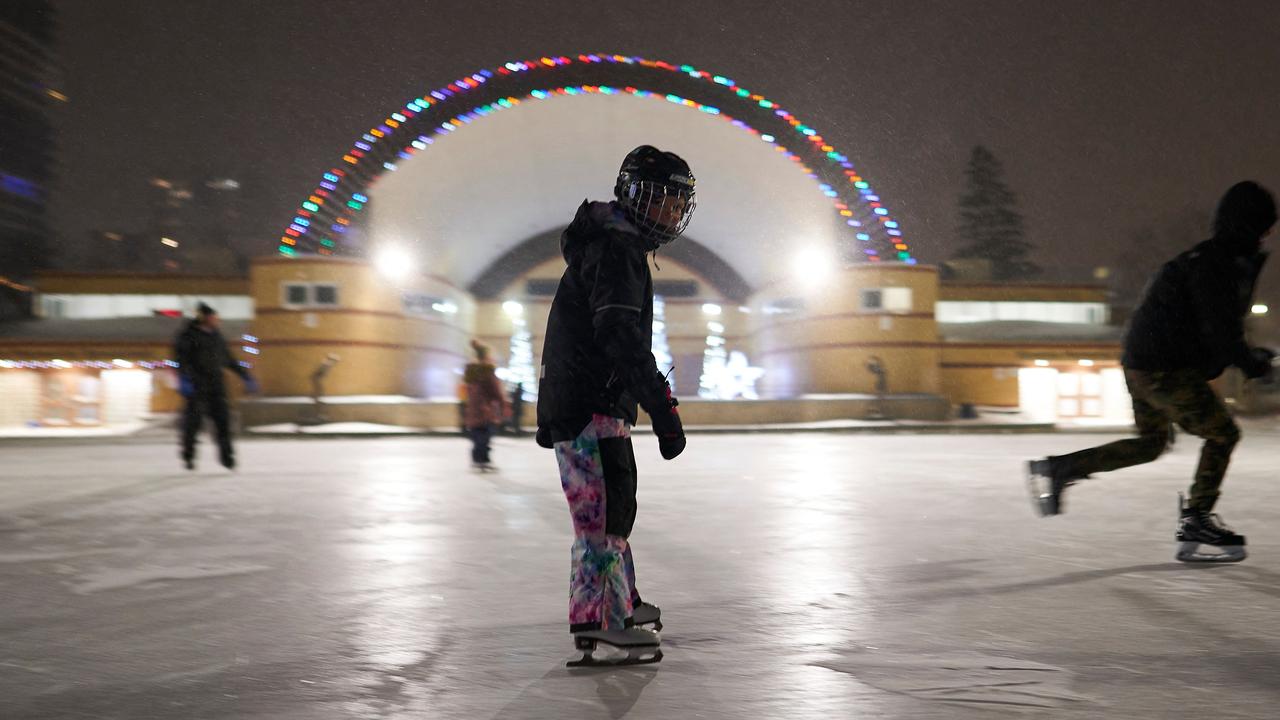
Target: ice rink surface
800,576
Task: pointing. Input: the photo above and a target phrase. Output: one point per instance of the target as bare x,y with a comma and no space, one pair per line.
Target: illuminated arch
321,220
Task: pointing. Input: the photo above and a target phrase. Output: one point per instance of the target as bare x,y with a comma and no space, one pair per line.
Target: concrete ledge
811,409
970,428
425,414
443,414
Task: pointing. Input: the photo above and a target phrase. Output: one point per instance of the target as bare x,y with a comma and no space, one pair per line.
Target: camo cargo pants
1160,398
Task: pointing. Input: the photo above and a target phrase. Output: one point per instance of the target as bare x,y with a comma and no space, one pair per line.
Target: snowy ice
815,575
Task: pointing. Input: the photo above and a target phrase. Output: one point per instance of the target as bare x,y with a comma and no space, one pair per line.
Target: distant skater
485,406
202,356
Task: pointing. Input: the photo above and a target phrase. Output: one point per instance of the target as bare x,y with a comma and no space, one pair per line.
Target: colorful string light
353,199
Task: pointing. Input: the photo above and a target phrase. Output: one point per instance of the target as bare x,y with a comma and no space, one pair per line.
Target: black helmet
656,190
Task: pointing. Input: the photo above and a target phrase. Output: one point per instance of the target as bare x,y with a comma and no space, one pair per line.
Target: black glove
543,438
670,430
661,406
1259,364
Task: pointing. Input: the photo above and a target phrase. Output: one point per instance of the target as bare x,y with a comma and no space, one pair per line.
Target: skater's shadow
562,692
620,688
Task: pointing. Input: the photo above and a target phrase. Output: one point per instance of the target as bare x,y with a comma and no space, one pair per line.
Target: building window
308,295
326,295
53,307
102,306
296,295
889,299
1079,395
1081,313
897,299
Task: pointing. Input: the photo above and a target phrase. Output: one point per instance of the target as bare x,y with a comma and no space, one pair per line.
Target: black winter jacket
597,355
202,355
1192,313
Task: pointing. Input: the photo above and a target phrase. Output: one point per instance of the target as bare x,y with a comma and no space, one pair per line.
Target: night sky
1110,117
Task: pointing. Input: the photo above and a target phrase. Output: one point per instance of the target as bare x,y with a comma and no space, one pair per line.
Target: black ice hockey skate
647,614
1200,527
632,646
1046,484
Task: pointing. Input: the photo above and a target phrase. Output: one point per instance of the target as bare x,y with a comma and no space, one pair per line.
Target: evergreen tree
990,225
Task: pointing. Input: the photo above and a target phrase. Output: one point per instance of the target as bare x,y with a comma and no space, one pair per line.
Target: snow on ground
345,428
72,431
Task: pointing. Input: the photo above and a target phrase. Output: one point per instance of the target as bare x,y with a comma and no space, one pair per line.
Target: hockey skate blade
1044,504
634,655
633,646
1189,552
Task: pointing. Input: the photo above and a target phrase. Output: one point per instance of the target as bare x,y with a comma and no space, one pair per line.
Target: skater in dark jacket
1187,330
517,409
485,407
202,357
597,365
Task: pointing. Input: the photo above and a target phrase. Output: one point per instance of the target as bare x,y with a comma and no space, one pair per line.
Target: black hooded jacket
202,355
1192,313
597,355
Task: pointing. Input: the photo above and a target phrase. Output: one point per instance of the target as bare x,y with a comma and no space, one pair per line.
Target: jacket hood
594,220
1245,213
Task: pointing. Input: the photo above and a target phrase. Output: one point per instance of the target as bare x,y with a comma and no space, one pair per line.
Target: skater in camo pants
1159,397
1187,330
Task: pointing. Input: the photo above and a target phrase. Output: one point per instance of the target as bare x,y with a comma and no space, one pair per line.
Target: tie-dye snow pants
598,474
